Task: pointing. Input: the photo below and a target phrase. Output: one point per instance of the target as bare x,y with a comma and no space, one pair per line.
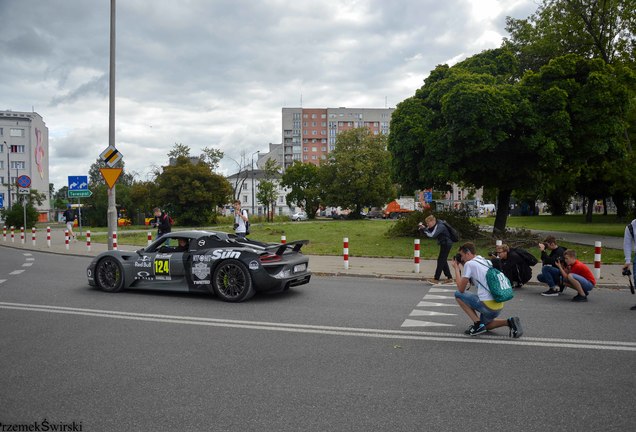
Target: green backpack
498,284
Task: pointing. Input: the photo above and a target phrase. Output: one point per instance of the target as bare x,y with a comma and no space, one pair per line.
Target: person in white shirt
240,220
629,244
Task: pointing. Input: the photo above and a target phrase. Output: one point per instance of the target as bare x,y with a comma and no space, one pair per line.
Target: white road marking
328,330
417,312
27,254
441,290
16,272
438,297
2,281
416,323
30,259
433,304
28,264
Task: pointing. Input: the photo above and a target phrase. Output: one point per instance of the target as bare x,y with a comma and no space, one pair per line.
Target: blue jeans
585,284
486,315
550,275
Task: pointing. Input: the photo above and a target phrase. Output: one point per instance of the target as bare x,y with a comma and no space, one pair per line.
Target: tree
179,150
358,171
15,215
267,190
192,192
303,179
212,157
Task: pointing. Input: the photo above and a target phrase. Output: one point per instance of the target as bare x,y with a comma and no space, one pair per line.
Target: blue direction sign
77,183
428,196
2,201
24,181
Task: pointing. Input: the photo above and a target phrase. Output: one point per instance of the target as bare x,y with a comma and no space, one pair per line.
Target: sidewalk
390,268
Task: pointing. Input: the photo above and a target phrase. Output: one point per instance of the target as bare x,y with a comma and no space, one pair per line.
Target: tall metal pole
8,174
112,203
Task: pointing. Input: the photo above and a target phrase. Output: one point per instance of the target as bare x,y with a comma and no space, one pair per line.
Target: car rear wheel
109,275
232,282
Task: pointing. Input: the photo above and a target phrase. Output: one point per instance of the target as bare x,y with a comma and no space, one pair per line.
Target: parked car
299,216
375,214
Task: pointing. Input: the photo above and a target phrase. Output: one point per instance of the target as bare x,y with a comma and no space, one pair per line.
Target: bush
15,216
460,220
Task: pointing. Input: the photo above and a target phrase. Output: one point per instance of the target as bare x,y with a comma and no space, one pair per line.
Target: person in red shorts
576,275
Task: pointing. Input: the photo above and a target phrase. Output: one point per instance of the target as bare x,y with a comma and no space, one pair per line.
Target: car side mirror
140,251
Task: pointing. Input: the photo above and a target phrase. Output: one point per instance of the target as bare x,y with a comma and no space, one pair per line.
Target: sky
217,73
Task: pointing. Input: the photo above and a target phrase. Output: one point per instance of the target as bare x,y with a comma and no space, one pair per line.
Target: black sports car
233,268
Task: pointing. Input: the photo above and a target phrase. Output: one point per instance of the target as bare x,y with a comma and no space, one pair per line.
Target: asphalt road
339,354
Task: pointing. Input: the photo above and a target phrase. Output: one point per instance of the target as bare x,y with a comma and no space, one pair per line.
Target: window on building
313,116
16,132
313,149
324,140
314,132
313,124
313,157
245,199
1,131
305,116
323,157
13,180
18,164
323,132
305,132
313,141
17,148
305,157
2,182
324,148
323,115
244,187
324,124
305,149
1,148
296,116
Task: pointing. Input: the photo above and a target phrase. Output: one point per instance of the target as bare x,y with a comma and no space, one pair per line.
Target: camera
627,272
235,226
458,258
492,254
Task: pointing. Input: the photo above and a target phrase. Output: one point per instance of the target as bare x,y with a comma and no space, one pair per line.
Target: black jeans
442,261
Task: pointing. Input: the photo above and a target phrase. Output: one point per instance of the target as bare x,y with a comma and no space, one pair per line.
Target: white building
245,185
24,150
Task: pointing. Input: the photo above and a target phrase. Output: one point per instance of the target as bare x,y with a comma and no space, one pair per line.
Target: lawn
366,238
601,225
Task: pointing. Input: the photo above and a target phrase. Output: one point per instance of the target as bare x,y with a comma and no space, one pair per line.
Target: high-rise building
24,150
309,134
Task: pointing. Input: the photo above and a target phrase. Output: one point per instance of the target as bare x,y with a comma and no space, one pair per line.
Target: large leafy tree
358,171
192,192
303,181
267,190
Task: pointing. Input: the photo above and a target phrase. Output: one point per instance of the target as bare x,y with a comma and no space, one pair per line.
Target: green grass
601,225
366,238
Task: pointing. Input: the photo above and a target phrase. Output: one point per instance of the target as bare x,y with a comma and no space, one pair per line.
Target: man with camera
576,275
511,264
474,272
550,273
629,244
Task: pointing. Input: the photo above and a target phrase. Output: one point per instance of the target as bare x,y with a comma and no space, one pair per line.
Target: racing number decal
162,268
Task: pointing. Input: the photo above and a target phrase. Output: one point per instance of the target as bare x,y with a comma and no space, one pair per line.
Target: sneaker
434,281
516,331
579,298
561,286
449,281
477,329
550,293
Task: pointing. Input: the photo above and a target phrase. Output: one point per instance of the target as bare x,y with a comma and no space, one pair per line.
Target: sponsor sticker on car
162,268
201,274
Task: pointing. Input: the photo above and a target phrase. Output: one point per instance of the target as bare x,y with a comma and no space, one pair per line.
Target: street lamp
259,152
8,175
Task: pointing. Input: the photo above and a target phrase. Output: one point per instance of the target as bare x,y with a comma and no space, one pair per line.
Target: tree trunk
619,202
605,206
503,209
590,210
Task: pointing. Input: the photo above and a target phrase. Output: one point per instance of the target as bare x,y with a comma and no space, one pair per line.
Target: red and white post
114,240
22,235
283,239
48,236
597,260
33,235
66,239
149,238
4,233
416,255
88,240
345,252
12,234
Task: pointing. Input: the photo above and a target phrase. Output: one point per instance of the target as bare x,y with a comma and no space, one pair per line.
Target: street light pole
253,178
112,203
8,175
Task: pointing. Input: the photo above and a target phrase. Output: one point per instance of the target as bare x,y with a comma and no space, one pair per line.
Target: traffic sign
24,191
2,201
79,193
76,183
24,181
111,156
110,175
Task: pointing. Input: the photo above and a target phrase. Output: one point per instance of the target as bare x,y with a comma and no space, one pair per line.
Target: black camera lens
457,258
627,272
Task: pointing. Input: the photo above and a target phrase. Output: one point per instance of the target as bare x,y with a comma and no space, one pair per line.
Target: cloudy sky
216,73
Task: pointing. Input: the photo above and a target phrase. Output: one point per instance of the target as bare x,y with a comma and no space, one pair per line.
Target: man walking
69,218
161,222
475,268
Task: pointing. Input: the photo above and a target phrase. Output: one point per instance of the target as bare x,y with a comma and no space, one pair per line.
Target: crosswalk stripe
2,281
437,297
440,290
16,272
417,312
433,304
27,264
416,323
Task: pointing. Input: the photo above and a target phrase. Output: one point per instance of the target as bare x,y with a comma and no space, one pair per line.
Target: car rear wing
294,245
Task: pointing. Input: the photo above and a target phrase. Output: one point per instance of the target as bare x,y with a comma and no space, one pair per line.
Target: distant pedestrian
629,245
576,275
162,222
550,273
241,220
438,230
69,218
475,268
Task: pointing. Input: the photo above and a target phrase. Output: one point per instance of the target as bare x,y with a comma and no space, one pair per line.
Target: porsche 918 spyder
231,267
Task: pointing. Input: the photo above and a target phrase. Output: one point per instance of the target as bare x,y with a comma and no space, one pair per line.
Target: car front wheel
232,282
109,275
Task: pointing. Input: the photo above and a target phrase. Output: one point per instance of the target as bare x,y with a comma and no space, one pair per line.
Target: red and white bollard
4,233
22,235
33,235
283,239
48,236
416,255
12,234
114,240
345,252
88,240
66,239
149,238
597,260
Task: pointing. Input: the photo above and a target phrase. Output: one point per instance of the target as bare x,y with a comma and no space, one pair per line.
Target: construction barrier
115,240
33,235
416,255
48,236
597,261
88,240
345,252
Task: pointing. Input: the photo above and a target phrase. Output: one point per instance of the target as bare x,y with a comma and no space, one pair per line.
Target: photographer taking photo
550,273
629,244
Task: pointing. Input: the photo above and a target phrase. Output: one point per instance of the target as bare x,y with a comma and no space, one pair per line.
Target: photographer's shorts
486,314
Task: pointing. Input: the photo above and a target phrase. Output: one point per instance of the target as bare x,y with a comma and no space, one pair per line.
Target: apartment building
309,134
24,150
